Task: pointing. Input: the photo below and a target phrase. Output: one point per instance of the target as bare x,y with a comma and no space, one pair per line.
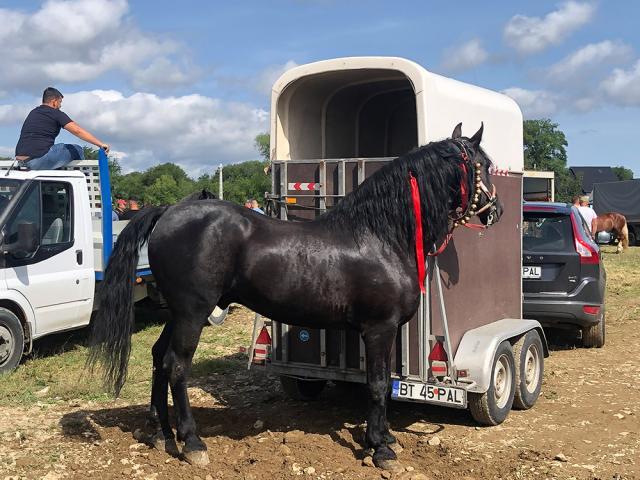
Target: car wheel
594,336
529,357
11,341
302,389
493,406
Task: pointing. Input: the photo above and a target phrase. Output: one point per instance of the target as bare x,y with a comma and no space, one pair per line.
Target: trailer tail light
588,254
262,348
438,360
591,309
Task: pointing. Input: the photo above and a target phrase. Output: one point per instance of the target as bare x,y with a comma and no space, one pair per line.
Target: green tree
623,173
90,153
245,180
164,191
261,143
545,149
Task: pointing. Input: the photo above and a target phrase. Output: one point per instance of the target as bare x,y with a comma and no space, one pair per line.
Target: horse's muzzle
492,214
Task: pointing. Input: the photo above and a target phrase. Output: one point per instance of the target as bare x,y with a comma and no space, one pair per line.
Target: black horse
354,267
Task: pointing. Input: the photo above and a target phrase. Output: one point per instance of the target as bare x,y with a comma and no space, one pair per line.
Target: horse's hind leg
177,363
378,348
158,420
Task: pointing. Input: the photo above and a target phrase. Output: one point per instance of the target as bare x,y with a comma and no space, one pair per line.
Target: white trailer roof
302,98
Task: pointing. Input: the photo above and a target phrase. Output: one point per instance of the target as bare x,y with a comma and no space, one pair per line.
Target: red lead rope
415,197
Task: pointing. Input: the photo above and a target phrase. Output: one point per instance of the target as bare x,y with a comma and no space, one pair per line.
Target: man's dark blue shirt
40,130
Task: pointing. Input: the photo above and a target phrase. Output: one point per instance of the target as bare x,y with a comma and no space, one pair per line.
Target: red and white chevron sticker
499,172
302,186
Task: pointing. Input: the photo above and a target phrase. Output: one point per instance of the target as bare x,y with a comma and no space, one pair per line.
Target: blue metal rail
107,223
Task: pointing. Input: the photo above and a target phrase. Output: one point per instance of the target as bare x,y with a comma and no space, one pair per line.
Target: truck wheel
529,359
11,341
593,336
492,407
302,389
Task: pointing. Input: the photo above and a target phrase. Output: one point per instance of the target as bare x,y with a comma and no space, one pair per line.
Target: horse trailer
334,123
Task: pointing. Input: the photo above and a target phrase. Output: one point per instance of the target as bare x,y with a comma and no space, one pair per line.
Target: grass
55,371
58,360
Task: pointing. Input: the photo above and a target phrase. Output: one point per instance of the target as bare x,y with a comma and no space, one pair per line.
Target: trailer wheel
302,389
529,358
593,336
492,406
633,239
11,341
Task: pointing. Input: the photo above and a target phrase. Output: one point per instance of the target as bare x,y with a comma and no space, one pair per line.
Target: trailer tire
11,341
493,406
302,389
529,357
633,238
594,336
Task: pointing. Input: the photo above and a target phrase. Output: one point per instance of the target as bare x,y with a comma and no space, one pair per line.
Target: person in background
575,200
247,203
255,207
36,149
587,213
134,208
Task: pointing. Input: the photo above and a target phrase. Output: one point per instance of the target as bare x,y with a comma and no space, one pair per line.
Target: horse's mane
382,204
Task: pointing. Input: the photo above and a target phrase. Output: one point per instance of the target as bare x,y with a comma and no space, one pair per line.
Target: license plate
424,392
531,272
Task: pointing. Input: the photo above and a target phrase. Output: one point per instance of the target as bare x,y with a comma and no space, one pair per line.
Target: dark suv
563,278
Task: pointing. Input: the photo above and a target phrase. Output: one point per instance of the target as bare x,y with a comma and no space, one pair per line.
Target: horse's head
482,198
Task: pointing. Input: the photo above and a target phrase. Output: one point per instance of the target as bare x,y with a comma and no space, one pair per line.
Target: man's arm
81,133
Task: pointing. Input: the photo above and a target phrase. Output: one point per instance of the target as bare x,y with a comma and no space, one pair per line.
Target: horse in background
615,223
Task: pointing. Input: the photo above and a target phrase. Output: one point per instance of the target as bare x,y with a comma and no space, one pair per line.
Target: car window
546,232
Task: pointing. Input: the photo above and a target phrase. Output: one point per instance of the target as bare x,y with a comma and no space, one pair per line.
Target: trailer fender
478,346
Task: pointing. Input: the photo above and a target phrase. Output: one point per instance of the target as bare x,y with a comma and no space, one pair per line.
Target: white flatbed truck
52,253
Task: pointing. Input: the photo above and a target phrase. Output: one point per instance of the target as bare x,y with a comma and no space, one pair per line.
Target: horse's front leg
378,344
177,362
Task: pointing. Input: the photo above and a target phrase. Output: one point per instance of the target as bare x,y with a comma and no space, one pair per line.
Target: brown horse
615,223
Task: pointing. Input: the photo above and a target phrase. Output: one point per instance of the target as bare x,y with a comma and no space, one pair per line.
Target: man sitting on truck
36,150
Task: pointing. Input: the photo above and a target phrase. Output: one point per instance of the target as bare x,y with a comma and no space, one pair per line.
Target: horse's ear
477,137
457,132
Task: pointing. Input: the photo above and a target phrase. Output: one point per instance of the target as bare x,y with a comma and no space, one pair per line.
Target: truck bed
143,262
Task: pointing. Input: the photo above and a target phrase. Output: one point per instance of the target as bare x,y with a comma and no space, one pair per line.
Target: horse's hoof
392,466
384,458
163,444
199,458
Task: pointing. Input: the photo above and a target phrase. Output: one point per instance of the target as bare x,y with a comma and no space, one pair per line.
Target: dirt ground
585,425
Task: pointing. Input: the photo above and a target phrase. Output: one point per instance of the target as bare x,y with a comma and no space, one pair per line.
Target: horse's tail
110,342
625,234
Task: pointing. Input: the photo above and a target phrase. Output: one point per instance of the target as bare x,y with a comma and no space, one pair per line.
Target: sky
189,81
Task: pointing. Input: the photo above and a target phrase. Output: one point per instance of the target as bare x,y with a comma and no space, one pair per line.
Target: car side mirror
27,243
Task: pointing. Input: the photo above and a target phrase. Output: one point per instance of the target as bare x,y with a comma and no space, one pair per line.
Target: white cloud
269,75
623,86
530,35
194,131
533,103
98,37
587,60
465,56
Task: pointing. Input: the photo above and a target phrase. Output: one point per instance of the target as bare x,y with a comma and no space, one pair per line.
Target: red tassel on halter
415,197
463,189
